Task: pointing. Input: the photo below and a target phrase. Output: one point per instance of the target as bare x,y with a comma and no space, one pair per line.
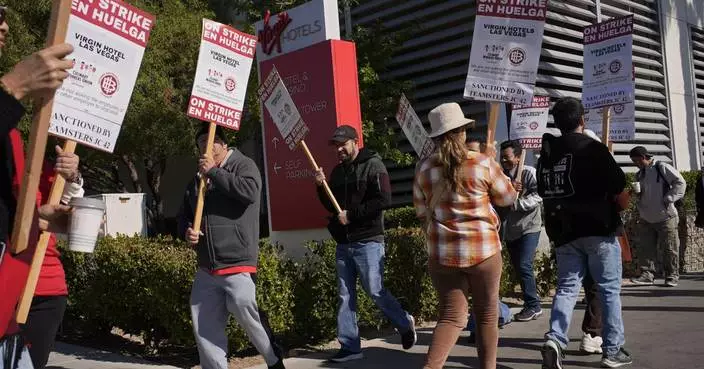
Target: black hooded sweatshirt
578,180
361,187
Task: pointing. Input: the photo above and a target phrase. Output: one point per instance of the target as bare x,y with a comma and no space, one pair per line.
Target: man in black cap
659,187
361,185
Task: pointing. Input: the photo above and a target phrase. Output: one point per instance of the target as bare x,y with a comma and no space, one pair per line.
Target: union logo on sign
230,84
618,109
109,84
615,66
534,125
516,56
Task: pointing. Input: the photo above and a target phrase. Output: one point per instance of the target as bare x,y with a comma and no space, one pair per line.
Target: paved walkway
675,314
67,356
664,330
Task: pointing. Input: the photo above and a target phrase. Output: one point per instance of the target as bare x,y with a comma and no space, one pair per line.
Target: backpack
666,186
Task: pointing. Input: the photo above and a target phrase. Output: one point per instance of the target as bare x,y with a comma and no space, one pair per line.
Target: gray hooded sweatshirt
656,202
524,216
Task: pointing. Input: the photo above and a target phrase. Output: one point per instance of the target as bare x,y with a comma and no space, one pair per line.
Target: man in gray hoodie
659,186
522,223
227,245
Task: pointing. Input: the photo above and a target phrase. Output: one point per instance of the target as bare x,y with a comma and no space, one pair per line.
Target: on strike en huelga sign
108,37
413,128
608,63
622,126
528,123
224,61
503,63
283,111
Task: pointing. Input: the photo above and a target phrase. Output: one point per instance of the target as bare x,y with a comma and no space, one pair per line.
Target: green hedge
143,285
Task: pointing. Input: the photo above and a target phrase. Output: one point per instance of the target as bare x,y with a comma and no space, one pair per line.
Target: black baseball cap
219,132
640,151
343,134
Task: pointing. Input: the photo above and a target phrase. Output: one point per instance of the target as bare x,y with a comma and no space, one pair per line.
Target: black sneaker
344,356
279,365
409,338
671,282
472,339
552,355
644,280
528,314
621,358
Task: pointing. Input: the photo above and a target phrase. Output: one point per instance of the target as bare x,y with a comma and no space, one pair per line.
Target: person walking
522,226
582,188
660,186
228,247
453,191
360,184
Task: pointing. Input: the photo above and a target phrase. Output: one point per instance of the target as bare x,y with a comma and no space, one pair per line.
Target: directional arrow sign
276,168
275,140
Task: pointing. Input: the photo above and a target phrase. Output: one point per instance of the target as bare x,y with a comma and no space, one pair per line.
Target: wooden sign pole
521,165
493,121
606,126
197,217
57,190
311,159
27,201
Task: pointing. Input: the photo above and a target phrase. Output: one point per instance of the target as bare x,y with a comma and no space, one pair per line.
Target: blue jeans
602,257
522,253
365,259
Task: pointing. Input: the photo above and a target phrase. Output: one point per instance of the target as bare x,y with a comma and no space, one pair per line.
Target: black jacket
11,111
578,180
361,187
230,214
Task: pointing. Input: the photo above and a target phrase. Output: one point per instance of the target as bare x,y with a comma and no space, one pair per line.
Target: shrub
143,287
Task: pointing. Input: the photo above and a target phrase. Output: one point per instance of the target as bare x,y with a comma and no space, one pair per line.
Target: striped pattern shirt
464,227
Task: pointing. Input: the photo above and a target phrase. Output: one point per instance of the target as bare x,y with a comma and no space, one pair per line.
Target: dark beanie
640,151
219,132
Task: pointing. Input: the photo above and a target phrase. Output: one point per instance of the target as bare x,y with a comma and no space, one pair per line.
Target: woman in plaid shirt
453,192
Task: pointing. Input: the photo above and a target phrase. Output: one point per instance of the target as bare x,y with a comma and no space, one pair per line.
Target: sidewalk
67,356
664,330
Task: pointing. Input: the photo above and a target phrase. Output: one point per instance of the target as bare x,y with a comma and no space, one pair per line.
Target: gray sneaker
671,282
552,355
621,358
644,280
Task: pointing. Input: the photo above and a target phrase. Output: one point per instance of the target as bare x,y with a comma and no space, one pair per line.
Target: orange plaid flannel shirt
464,227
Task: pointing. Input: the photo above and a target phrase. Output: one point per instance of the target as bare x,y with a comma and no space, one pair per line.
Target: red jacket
52,279
14,269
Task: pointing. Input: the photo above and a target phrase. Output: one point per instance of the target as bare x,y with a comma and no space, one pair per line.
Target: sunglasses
3,14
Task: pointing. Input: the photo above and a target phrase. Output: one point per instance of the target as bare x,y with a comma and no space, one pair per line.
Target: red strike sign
117,17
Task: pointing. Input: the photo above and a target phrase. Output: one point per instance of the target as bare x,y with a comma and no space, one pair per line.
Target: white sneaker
590,344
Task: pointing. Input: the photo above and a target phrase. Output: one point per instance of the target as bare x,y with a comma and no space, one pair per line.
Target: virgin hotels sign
300,27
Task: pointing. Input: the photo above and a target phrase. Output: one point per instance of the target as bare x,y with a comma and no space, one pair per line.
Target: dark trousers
592,314
43,322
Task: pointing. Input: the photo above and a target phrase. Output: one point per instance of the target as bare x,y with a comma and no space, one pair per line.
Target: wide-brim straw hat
446,117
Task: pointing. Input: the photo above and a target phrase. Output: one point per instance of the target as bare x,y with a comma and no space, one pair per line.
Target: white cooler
126,214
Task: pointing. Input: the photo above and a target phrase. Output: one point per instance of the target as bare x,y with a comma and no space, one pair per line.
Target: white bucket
86,220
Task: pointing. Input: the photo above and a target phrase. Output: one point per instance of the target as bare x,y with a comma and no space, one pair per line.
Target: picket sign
39,133
277,101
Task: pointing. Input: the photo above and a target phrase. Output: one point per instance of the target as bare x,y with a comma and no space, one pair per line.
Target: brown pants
454,286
